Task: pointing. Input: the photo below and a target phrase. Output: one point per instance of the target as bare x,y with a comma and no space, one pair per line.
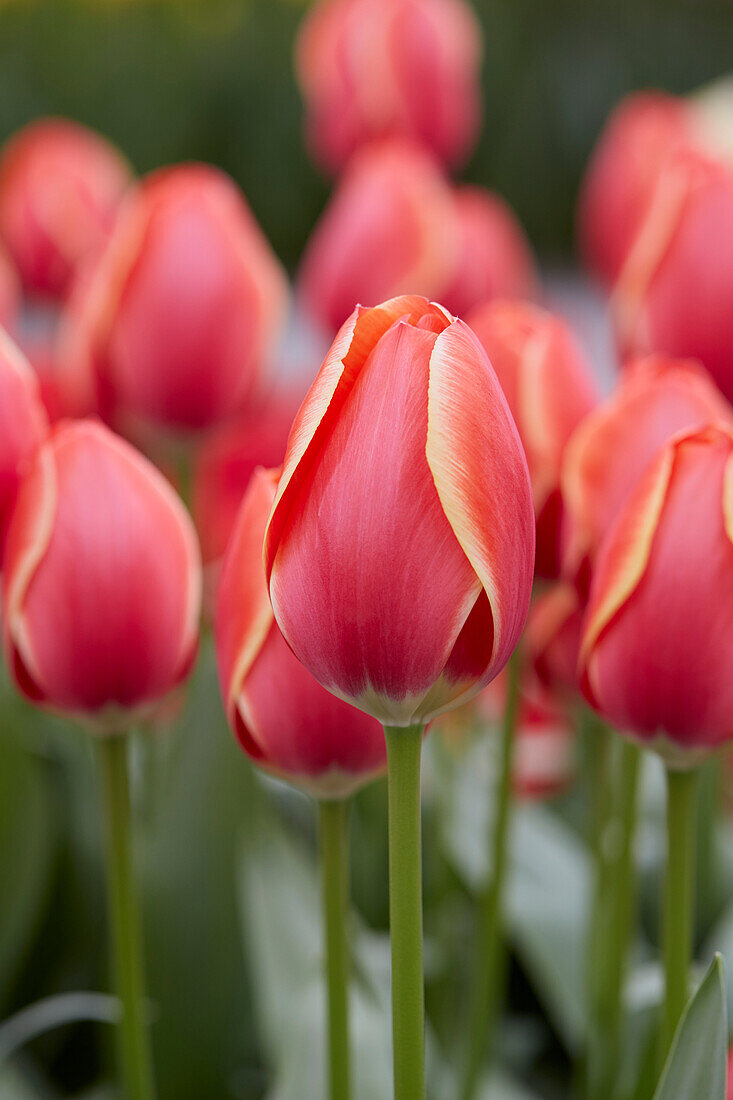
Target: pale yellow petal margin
626,571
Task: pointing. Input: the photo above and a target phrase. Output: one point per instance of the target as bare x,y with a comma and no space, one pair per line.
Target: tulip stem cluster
124,915
334,843
404,750
678,897
489,963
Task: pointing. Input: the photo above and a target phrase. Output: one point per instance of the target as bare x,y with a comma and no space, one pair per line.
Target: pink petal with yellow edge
478,465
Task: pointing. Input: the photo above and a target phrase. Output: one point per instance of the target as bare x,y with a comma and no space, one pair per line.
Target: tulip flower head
60,188
657,651
400,549
10,294
390,68
552,640
102,581
23,426
176,322
282,717
550,390
611,449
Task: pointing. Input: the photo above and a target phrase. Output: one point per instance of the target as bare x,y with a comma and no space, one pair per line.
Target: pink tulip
10,294
550,390
60,187
674,292
173,327
400,549
284,720
23,426
389,229
657,652
390,68
494,257
552,640
102,580
611,449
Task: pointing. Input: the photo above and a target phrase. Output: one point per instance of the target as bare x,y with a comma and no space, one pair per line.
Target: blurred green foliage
213,80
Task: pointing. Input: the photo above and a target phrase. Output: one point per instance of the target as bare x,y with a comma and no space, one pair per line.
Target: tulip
389,229
610,450
674,291
23,426
175,323
550,390
656,656
60,187
552,640
494,257
292,727
390,68
399,558
10,295
95,624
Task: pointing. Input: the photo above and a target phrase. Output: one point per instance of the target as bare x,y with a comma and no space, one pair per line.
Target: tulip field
366,552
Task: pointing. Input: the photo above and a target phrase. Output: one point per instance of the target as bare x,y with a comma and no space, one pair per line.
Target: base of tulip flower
124,916
334,846
404,750
678,899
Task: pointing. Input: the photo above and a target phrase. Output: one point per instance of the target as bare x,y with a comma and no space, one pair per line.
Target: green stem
488,960
335,893
124,916
404,749
612,920
678,898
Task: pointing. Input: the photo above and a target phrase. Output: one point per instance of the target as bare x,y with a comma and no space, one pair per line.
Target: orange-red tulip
176,322
657,651
23,426
102,580
281,715
389,229
60,187
550,389
611,449
674,292
390,68
494,258
400,549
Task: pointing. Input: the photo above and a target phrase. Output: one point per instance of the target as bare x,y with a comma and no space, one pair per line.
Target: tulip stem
488,968
333,815
404,749
678,898
124,916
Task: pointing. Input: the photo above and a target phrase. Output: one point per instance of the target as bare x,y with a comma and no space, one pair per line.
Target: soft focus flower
552,639
60,187
657,651
389,229
494,258
550,389
400,549
173,327
10,294
390,68
23,426
281,715
675,290
102,580
611,449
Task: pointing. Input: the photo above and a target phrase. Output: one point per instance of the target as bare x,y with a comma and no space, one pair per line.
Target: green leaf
696,1067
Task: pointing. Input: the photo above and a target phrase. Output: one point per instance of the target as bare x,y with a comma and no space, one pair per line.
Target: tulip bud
175,323
102,580
610,450
400,549
550,389
657,651
674,292
23,426
60,186
494,258
284,720
552,640
390,68
10,296
389,229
